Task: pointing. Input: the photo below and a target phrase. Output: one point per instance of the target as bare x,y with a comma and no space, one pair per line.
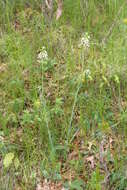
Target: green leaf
16,163
76,184
8,159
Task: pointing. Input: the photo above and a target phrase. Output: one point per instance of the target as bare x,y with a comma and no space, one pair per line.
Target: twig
59,9
49,4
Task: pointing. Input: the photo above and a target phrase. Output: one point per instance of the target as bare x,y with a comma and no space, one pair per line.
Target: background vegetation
63,119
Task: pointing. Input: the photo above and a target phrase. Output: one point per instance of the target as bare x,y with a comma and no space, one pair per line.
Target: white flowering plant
42,55
86,75
43,58
85,41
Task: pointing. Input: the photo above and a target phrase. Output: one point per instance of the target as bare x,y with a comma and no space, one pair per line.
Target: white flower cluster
43,55
85,41
87,73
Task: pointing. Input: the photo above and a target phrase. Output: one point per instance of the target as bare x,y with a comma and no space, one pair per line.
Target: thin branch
59,9
49,4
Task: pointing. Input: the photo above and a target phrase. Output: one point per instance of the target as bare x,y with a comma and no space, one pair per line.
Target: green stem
72,113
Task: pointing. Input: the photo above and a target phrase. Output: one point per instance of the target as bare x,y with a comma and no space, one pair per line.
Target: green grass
60,123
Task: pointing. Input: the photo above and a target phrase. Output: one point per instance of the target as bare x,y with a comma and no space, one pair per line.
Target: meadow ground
63,96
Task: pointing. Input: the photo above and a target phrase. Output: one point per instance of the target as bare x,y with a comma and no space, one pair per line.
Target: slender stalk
72,113
43,100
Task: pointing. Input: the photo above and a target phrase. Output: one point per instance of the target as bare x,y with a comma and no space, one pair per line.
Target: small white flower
85,75
85,41
43,55
87,72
